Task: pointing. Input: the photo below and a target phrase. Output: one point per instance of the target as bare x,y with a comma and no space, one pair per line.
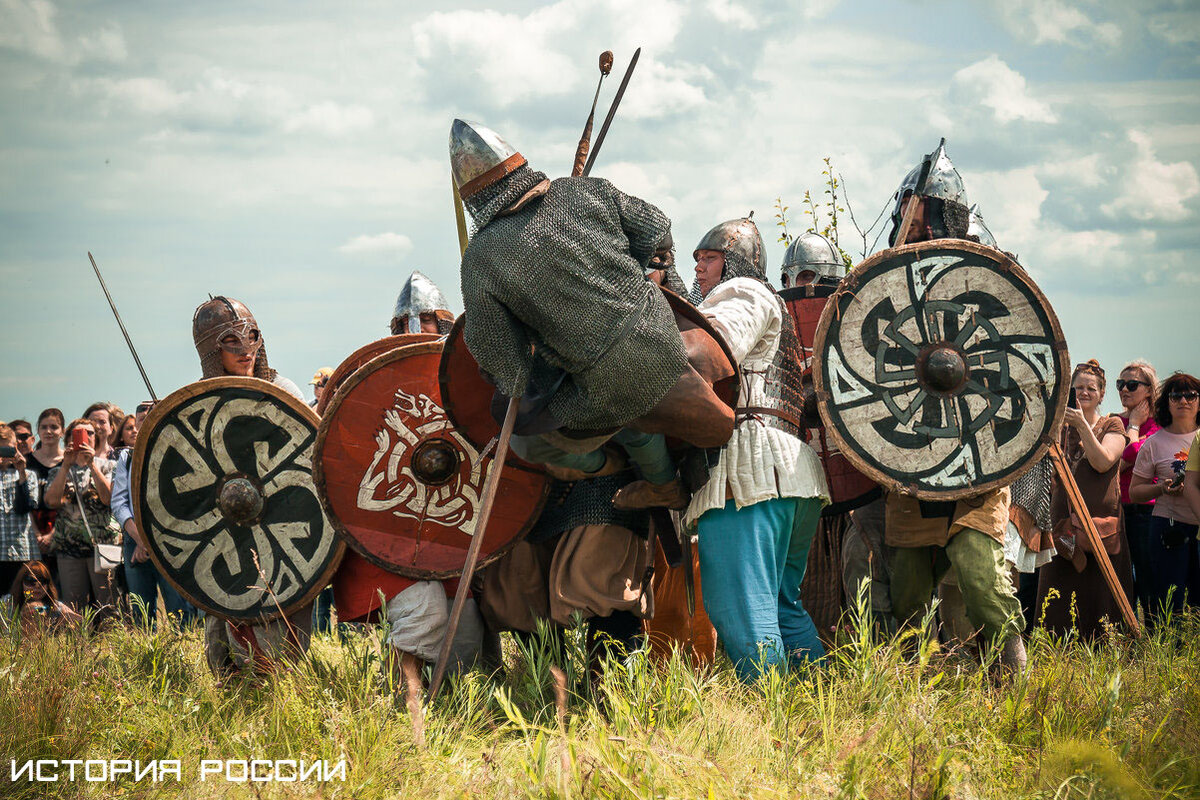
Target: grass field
1114,720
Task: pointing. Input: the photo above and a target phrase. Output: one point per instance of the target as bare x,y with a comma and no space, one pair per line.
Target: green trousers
983,579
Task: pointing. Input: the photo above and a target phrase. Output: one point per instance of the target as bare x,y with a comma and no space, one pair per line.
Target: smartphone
1177,480
7,452
1072,401
80,437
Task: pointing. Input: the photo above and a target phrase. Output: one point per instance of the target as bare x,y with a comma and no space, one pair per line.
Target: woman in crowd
1138,388
35,600
41,460
1158,473
81,489
104,418
1093,445
125,433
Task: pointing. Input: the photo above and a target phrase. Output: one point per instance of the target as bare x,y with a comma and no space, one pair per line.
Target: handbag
106,557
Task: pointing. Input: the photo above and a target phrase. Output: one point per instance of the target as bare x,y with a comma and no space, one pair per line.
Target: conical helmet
979,229
222,323
812,252
420,295
742,245
479,157
944,183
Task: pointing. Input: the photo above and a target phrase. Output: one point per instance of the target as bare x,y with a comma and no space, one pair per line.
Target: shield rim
173,401
1003,263
381,345
326,422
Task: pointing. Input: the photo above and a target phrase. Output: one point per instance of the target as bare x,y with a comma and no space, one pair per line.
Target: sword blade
124,332
612,110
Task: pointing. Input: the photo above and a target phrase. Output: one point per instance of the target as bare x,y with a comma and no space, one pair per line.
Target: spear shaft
124,332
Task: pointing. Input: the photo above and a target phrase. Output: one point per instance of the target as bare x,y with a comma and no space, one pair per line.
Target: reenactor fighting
591,428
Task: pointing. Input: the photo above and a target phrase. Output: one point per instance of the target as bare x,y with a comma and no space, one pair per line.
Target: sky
293,155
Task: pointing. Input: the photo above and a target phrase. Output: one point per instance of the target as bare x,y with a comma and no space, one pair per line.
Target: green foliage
883,717
823,216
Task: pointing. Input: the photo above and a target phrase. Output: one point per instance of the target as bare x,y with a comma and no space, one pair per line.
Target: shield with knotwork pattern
223,492
402,484
940,369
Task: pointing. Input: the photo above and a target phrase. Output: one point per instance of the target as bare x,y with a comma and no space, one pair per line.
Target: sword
459,219
485,512
128,341
911,211
612,110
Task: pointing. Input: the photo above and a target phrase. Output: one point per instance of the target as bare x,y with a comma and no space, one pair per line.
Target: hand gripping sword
124,332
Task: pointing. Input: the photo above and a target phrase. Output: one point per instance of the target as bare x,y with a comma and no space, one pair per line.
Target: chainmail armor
783,382
565,274
588,502
1032,492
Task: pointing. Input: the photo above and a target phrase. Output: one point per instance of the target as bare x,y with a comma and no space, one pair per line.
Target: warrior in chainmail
942,211
421,307
963,540
229,342
757,513
558,308
812,258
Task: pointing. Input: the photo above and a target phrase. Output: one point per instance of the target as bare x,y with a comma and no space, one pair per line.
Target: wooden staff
1079,508
464,582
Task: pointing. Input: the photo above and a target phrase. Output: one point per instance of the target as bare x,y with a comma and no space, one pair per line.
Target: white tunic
759,462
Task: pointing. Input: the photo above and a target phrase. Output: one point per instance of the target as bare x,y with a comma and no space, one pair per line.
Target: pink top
1131,451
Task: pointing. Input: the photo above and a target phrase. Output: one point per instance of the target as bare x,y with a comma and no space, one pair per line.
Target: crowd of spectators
69,541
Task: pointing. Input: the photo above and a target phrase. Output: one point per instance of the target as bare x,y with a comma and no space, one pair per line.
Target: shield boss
940,369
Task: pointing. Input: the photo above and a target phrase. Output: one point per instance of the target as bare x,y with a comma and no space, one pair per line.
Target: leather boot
644,494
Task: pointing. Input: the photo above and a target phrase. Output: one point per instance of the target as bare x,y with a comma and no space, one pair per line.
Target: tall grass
1117,719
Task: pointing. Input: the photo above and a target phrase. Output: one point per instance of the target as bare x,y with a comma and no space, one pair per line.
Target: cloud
1151,189
106,44
729,12
393,246
1002,89
1056,22
29,26
494,59
1177,27
331,119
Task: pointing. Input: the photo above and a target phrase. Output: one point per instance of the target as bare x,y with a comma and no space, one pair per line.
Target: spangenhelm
742,245
812,252
479,157
944,184
420,295
979,229
222,323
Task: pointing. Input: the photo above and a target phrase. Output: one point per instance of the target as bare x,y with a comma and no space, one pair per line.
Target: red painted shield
364,354
849,487
401,484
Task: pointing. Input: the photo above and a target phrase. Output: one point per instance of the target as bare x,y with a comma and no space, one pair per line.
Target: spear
581,152
124,332
612,110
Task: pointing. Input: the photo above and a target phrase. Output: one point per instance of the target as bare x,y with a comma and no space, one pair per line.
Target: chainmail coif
566,274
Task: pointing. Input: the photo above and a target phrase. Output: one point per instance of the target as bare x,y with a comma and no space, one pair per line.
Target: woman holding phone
1171,549
80,489
1092,444
1137,386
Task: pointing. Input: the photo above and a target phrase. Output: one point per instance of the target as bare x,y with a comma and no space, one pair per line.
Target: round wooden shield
402,484
364,354
222,489
940,369
848,487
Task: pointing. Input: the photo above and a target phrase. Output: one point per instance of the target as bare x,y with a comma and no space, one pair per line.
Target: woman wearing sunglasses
35,600
1138,388
1172,566
1092,443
